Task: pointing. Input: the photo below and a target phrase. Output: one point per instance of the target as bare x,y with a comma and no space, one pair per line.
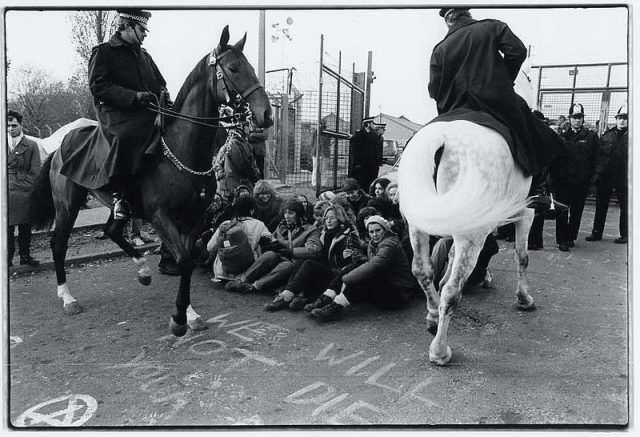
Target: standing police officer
611,173
365,153
124,79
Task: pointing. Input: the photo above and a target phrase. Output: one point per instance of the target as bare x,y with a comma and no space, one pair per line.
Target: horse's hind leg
466,251
423,271
524,300
114,229
67,209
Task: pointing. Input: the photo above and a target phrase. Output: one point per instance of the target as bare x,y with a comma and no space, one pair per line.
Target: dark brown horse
172,194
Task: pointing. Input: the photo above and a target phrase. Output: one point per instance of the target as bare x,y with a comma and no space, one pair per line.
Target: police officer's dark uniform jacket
117,71
613,154
364,160
468,74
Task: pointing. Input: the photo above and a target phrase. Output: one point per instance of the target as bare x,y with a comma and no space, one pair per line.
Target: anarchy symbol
62,411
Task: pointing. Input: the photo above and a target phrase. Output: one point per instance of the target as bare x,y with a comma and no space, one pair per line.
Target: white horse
474,187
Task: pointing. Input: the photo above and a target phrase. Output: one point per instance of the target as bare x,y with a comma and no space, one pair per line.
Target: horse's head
238,78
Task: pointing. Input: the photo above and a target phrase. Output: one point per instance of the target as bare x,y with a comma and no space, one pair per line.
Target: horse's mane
192,78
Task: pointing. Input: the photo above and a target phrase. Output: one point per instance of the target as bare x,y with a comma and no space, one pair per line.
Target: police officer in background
364,157
611,173
572,173
124,79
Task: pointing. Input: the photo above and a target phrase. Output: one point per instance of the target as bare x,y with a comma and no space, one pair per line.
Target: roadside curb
19,270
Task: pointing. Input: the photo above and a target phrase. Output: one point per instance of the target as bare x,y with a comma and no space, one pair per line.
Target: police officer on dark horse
161,172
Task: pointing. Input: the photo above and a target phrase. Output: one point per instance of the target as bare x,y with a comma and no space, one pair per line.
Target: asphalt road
116,364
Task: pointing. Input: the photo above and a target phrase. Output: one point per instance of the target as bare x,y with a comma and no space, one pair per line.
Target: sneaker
620,240
137,241
276,305
29,261
328,313
321,301
594,237
297,303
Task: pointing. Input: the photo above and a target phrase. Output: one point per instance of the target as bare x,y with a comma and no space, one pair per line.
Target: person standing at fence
572,177
363,153
23,165
611,173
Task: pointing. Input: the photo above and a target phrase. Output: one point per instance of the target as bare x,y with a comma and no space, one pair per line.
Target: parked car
390,151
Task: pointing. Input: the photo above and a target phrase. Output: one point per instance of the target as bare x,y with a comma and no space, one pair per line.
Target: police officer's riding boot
120,207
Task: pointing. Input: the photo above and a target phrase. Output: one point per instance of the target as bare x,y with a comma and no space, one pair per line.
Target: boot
120,207
328,313
595,236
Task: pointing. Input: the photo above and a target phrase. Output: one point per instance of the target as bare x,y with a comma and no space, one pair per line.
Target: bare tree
88,29
31,88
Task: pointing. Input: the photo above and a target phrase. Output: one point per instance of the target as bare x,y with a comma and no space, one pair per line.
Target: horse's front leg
114,229
466,251
181,247
524,300
422,270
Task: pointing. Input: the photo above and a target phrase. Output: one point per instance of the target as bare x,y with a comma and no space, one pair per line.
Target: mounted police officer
611,173
123,80
473,69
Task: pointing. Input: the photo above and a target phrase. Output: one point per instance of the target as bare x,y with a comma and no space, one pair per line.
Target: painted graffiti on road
69,410
340,408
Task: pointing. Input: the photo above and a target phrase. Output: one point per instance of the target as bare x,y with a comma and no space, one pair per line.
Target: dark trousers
378,292
535,233
24,241
568,223
269,271
260,164
311,278
603,194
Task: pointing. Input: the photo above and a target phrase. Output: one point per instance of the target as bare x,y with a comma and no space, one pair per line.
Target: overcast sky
401,41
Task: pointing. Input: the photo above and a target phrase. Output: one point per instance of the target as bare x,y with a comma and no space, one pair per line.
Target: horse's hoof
197,324
72,308
177,330
440,360
144,280
531,306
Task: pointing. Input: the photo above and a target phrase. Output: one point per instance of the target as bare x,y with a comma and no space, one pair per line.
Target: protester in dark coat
357,198
23,165
473,69
340,253
364,157
123,79
573,176
385,279
611,173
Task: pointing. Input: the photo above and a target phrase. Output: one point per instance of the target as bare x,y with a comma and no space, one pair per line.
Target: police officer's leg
603,194
622,194
579,197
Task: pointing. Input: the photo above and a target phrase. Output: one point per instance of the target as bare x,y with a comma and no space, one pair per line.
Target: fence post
284,140
318,167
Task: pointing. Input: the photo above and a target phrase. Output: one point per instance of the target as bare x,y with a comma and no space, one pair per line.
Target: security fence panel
600,88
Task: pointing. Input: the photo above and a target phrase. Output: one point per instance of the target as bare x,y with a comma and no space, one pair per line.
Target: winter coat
386,262
365,151
346,240
23,165
613,154
117,71
473,68
577,162
357,205
304,241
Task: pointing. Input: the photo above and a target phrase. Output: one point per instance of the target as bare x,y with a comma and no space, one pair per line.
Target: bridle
241,117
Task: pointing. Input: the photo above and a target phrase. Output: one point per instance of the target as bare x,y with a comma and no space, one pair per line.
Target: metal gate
600,88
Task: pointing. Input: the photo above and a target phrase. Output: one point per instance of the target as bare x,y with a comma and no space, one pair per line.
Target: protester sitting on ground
385,279
340,253
392,193
378,188
268,204
357,197
342,199
292,240
236,243
363,215
307,206
442,254
217,212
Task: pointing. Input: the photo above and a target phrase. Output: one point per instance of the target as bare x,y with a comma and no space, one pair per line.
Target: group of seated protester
346,248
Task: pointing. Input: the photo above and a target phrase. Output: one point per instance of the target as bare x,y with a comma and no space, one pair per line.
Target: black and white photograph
306,217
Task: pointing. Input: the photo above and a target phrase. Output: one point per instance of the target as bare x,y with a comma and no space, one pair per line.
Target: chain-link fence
600,88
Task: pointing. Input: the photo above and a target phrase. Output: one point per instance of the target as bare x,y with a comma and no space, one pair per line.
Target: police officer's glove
145,97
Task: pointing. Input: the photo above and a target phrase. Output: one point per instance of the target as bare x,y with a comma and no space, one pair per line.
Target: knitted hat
379,220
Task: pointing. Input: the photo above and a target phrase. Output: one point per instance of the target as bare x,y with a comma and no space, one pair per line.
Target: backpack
235,251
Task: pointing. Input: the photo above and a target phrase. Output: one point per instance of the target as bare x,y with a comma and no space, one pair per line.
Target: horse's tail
455,178
42,210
